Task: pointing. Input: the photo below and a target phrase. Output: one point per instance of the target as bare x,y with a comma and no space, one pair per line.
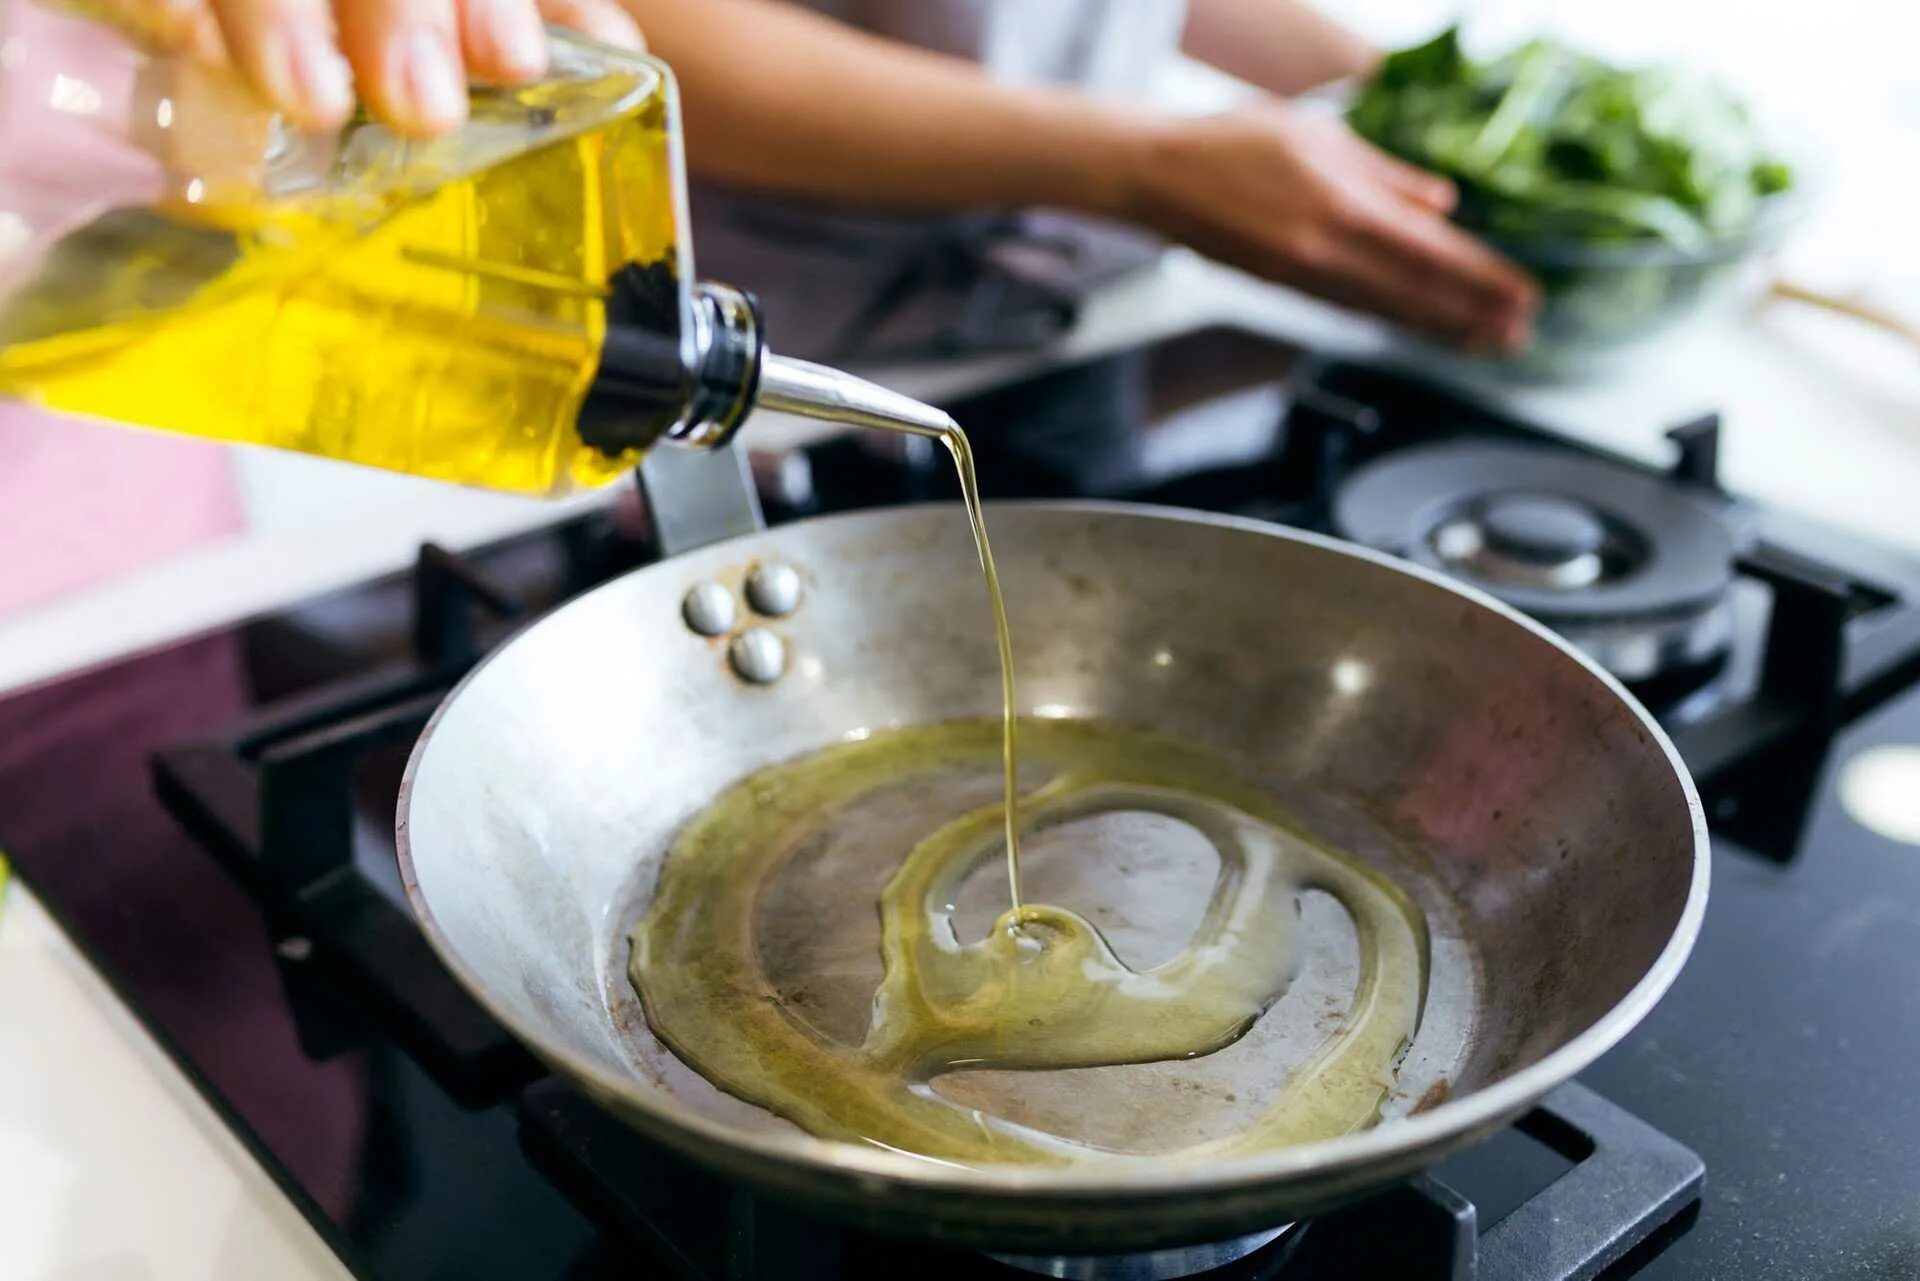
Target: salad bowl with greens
1632,194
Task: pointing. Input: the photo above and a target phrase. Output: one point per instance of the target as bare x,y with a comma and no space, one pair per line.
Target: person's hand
408,60
1302,200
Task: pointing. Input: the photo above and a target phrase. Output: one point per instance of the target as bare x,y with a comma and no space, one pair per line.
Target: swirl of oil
1043,989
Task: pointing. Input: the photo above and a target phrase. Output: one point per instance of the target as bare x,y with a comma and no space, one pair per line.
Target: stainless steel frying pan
1535,812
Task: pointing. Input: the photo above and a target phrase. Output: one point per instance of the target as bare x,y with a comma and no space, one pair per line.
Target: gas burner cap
1526,540
1543,527
1627,564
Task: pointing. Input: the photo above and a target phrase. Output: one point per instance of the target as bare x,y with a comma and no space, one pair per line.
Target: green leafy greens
1545,142
1632,195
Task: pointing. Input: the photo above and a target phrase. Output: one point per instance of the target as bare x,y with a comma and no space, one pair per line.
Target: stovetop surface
1783,1055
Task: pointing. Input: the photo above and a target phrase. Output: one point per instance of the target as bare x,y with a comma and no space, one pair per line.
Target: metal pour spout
801,387
652,386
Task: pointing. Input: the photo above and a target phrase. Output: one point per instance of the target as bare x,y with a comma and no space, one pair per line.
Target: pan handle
698,496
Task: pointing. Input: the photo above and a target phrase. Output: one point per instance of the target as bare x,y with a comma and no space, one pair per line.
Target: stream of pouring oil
1042,989
962,452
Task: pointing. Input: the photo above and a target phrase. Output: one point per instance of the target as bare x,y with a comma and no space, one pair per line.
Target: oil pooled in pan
760,884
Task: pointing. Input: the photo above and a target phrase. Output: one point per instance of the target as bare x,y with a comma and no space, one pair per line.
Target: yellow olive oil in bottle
509,306
433,307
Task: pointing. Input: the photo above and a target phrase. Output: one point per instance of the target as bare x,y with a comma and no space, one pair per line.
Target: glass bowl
1603,298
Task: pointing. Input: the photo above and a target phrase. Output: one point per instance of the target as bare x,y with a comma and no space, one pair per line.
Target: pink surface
82,503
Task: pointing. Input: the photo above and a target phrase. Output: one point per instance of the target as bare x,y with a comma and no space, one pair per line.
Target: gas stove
211,823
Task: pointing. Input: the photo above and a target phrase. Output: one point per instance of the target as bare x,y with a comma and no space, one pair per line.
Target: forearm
781,99
1282,46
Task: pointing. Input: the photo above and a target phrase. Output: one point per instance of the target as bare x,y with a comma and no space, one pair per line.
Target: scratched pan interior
1536,814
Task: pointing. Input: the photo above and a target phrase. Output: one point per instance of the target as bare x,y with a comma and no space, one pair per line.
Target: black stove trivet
273,798
1626,1184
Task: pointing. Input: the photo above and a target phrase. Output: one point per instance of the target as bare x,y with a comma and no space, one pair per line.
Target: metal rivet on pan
758,655
773,589
709,609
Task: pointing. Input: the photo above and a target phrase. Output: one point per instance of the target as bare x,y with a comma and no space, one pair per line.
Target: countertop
111,1166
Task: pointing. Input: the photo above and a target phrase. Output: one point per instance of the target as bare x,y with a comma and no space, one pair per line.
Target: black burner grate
274,800
1627,1179
1626,1183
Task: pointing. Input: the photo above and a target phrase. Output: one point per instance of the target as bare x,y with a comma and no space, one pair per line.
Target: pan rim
1460,1116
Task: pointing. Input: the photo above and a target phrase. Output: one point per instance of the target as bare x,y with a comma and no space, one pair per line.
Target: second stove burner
1626,564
